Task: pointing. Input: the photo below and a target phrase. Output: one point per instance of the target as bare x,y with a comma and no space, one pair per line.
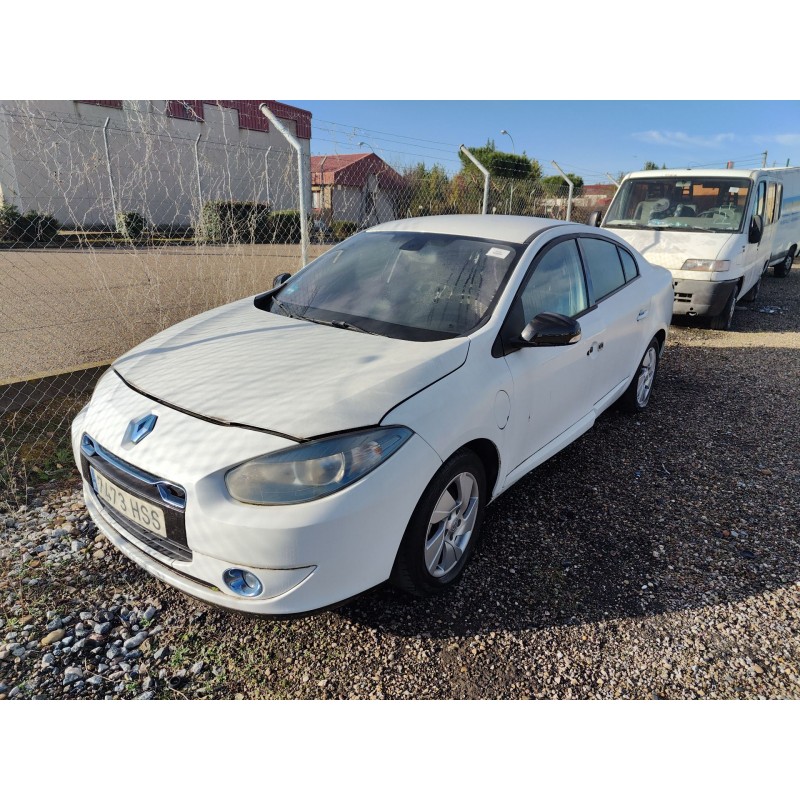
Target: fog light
242,582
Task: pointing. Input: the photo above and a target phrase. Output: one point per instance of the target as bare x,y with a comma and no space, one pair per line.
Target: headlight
314,469
706,265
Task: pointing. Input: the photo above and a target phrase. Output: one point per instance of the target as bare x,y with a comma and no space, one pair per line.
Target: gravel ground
657,557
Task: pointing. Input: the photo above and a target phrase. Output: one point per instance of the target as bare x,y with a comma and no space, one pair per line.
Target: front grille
169,497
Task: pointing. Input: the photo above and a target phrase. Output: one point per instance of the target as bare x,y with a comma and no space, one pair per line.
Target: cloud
680,139
785,139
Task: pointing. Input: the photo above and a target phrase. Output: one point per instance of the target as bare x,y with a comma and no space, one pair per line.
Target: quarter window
603,265
557,283
628,264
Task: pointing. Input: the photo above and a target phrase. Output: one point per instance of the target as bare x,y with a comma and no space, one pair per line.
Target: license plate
139,511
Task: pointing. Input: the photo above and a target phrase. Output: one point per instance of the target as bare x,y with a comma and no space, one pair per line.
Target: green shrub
9,214
34,227
341,229
285,227
234,222
130,224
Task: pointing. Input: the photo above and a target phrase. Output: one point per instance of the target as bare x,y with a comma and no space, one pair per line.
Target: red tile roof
353,170
250,117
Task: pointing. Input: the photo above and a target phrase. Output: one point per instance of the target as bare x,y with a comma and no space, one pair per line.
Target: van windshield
692,203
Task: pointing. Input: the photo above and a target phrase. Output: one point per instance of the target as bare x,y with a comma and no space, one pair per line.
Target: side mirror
549,329
756,229
595,218
279,279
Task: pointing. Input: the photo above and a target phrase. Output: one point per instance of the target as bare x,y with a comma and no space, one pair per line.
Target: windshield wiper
340,323
287,313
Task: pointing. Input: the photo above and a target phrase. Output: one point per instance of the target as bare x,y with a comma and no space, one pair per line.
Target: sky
587,137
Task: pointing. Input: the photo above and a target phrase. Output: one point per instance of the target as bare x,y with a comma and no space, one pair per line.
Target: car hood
239,365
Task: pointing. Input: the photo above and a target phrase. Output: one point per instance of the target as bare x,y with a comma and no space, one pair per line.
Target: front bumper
307,556
701,298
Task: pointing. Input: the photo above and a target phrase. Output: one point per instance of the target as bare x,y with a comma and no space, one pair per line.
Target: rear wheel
782,269
724,320
444,528
637,395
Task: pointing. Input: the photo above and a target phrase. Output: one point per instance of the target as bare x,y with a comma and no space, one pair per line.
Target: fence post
571,186
485,177
110,175
197,167
301,177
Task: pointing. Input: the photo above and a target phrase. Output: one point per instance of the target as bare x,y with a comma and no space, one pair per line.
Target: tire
724,320
444,528
752,295
782,269
637,395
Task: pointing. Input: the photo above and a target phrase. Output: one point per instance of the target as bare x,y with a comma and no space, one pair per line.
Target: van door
756,255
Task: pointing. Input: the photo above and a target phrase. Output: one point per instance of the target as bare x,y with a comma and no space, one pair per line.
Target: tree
500,164
648,165
556,182
428,190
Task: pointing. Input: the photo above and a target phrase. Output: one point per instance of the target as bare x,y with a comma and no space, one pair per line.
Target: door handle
642,314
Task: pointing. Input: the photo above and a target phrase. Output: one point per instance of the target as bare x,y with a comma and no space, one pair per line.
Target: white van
716,231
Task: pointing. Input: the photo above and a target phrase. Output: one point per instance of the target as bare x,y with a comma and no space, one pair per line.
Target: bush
34,227
286,228
9,214
341,229
130,224
233,222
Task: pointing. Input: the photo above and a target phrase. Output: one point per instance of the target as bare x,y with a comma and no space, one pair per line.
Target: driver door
554,387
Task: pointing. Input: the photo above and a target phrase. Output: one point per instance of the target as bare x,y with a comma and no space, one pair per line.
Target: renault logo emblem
139,428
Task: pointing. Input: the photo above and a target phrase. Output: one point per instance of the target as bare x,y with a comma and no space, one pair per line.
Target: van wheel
782,269
752,295
724,320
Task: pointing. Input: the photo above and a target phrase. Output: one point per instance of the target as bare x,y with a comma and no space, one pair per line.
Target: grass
35,448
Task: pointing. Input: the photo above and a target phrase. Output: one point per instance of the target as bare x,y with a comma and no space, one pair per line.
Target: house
84,161
360,188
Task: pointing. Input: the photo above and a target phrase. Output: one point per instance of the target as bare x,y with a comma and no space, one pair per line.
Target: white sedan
286,452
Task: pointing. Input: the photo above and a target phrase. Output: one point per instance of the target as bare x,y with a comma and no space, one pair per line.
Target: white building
360,188
84,160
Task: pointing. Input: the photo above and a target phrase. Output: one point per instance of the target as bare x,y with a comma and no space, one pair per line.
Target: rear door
623,301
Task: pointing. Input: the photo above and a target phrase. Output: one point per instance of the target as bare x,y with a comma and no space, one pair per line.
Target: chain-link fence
118,220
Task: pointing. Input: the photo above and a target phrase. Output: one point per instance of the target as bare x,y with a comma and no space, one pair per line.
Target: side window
778,201
603,266
771,196
760,196
628,264
556,284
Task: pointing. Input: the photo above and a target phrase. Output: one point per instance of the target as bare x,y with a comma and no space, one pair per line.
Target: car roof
500,227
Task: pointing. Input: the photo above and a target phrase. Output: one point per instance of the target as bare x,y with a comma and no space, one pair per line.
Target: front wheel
782,269
637,395
444,528
724,320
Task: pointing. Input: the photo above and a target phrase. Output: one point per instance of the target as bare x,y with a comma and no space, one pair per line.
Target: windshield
417,286
693,203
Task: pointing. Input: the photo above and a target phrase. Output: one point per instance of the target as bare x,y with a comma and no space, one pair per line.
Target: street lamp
504,132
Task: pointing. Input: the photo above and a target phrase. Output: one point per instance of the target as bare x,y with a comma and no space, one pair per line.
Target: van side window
779,202
771,196
603,265
758,208
556,284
